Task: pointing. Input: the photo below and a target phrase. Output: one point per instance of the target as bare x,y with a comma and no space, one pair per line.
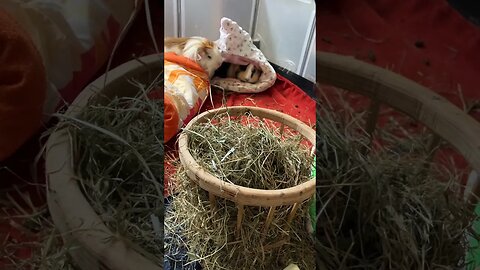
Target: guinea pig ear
201,52
194,55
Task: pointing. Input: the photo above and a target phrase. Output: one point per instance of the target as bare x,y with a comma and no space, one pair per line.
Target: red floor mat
426,41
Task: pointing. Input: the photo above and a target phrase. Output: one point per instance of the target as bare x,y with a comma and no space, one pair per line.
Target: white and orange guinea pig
199,49
245,73
189,65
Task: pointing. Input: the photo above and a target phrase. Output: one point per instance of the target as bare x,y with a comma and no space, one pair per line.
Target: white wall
310,71
202,17
283,27
170,18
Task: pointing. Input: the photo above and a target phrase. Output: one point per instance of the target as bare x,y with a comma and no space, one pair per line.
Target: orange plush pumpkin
22,86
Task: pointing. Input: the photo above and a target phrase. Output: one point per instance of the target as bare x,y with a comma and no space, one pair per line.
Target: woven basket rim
382,86
71,212
240,194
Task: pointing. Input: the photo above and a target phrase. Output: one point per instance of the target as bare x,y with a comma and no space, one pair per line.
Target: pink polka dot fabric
237,47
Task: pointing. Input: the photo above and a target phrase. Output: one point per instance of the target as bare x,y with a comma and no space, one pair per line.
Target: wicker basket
244,196
381,86
72,214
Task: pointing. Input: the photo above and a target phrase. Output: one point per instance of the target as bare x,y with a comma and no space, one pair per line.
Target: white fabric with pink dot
237,47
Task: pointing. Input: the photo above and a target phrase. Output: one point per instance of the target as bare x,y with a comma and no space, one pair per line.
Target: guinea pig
247,73
199,49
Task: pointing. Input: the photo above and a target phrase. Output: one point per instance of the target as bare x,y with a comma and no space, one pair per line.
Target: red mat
426,41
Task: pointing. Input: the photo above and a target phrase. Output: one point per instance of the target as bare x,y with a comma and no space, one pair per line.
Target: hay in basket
391,209
119,161
129,115
239,149
388,197
118,156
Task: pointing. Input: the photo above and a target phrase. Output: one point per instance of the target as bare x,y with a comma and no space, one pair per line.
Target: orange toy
22,86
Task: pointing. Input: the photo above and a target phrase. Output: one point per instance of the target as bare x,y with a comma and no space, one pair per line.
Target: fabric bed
237,47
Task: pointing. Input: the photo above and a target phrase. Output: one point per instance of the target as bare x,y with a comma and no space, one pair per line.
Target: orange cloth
186,88
171,118
22,86
185,62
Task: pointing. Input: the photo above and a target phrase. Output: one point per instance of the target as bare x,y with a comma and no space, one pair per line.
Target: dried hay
119,161
250,153
34,242
388,207
118,153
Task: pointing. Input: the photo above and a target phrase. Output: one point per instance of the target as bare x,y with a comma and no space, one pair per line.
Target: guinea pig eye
209,57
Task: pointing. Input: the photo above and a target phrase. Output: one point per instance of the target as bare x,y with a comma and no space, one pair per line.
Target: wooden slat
271,214
292,213
213,200
372,117
240,213
433,146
